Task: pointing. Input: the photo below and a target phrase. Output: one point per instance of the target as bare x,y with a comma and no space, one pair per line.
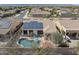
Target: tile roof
72,25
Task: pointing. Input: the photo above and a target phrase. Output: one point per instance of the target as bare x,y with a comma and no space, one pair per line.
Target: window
40,32
74,34
25,31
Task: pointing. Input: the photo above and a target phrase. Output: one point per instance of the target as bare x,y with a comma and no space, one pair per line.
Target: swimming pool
24,42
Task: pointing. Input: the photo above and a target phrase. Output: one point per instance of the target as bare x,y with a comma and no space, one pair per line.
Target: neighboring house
10,11
76,11
69,28
1,15
48,9
26,14
8,28
65,13
36,12
22,15
38,27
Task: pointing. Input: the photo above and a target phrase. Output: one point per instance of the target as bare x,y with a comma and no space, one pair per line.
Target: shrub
57,38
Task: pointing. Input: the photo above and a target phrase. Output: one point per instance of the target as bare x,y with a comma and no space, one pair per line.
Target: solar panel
4,24
33,25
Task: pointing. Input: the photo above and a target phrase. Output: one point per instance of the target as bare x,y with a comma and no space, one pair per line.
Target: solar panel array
4,24
32,25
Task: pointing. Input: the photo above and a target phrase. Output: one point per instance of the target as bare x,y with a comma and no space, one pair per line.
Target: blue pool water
28,43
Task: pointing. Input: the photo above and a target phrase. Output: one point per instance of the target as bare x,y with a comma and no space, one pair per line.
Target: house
48,9
65,13
38,27
69,28
8,28
22,15
36,12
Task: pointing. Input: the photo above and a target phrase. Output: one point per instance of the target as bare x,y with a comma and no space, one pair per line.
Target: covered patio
70,28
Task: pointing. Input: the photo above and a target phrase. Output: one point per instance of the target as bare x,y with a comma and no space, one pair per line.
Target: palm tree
54,13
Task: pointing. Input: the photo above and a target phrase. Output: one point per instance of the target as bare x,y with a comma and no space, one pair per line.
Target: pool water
28,43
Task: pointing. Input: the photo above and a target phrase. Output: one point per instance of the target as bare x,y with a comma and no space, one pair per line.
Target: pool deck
43,42
46,43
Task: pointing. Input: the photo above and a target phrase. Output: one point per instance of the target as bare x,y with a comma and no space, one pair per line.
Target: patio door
31,32
40,32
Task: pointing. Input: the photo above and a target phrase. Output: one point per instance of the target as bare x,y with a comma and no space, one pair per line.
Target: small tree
57,38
